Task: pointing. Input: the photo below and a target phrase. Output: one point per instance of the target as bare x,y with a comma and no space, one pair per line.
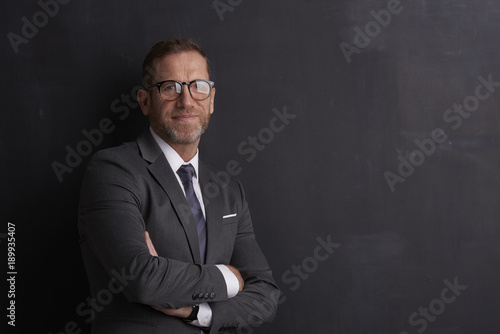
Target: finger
151,248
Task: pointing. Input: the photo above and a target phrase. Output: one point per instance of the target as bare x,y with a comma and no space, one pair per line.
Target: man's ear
212,101
144,100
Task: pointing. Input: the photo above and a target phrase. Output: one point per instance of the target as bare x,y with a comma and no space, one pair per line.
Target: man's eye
168,87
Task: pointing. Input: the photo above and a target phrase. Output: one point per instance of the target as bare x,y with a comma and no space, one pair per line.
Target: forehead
181,66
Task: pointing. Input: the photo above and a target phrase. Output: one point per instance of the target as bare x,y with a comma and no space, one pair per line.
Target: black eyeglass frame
158,85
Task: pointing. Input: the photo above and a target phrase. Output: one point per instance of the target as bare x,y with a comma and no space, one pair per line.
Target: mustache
184,111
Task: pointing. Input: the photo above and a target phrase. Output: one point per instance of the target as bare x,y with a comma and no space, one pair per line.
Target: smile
185,117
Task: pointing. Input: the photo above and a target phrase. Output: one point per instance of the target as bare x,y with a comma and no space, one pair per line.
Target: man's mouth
185,117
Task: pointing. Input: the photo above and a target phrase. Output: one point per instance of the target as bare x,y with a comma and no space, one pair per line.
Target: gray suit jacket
130,189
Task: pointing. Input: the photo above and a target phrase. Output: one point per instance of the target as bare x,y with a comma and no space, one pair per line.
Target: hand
151,248
182,312
238,276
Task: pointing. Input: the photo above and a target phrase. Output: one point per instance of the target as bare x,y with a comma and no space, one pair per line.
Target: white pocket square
229,216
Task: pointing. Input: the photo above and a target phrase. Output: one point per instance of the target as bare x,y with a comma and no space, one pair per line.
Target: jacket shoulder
127,149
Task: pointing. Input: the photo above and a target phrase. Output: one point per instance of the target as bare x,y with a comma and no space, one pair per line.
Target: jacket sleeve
257,302
112,230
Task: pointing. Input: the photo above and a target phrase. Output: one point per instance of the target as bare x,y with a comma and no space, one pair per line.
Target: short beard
177,138
174,136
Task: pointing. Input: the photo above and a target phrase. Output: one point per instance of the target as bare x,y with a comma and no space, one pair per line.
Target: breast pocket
229,218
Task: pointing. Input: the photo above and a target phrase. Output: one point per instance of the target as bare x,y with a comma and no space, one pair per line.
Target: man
168,246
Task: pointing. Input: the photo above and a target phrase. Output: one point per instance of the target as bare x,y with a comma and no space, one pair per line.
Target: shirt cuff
204,316
232,284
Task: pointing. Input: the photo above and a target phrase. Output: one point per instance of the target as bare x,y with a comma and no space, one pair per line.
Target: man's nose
185,100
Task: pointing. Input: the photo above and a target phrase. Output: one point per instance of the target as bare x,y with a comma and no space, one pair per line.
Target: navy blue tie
186,173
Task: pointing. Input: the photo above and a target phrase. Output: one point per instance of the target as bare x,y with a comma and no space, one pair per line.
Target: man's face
181,121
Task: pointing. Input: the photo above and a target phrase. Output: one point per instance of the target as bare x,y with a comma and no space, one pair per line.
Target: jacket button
212,295
195,296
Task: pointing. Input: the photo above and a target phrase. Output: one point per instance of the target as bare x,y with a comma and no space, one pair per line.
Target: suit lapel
213,212
162,172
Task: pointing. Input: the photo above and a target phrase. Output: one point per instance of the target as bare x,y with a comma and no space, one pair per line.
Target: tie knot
186,173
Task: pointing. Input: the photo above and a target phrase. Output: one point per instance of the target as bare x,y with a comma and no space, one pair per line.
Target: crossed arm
112,228
185,311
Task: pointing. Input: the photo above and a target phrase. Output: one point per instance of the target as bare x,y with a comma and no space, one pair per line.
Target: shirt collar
173,158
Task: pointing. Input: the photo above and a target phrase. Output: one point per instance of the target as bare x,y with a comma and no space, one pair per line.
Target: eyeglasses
170,90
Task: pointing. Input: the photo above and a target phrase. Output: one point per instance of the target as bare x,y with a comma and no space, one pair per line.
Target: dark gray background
322,176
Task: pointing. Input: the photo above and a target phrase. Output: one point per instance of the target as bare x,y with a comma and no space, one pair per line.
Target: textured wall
365,132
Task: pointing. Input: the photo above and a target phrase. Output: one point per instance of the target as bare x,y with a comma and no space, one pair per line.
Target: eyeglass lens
171,90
